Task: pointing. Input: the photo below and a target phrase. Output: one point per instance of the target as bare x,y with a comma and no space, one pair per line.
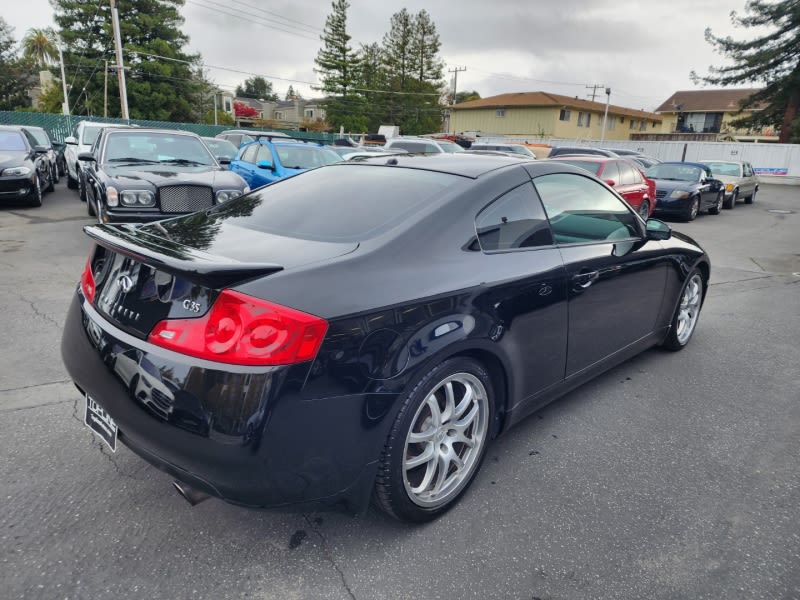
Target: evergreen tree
159,76
16,75
398,62
257,88
290,95
338,66
772,59
373,82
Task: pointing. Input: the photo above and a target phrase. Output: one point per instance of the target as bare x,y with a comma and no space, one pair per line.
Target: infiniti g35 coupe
362,331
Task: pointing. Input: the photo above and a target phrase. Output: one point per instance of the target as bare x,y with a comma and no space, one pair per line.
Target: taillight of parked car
87,281
243,330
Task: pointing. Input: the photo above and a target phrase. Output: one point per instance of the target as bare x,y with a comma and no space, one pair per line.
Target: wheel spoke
442,467
430,471
427,455
436,413
422,436
463,424
466,400
449,402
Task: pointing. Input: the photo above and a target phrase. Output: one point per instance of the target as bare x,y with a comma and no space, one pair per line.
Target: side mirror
86,156
265,164
40,149
610,182
71,141
658,230
223,160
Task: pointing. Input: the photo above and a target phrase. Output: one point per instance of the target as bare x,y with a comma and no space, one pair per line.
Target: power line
312,28
594,89
251,18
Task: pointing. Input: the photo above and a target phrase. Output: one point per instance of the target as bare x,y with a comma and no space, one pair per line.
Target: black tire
36,200
82,187
51,186
731,202
692,210
715,210
644,210
90,208
691,299
751,198
55,175
394,491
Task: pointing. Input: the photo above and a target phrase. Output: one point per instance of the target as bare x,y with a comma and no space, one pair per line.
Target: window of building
632,124
563,115
309,113
500,112
611,123
515,220
642,125
279,115
584,119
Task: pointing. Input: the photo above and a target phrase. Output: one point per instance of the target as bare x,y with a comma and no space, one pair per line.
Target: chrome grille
660,194
185,198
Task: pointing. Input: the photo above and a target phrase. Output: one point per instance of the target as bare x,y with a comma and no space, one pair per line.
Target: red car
621,174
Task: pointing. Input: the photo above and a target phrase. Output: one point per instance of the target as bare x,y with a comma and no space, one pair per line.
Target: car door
749,181
527,289
244,165
708,191
263,175
615,277
631,185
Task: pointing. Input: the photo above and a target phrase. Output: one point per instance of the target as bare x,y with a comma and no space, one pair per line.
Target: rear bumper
245,435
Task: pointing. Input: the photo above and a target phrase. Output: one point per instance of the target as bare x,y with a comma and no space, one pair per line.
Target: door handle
582,281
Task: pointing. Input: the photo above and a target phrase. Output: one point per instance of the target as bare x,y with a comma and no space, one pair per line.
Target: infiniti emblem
125,283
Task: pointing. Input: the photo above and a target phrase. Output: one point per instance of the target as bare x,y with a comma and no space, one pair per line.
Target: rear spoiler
190,263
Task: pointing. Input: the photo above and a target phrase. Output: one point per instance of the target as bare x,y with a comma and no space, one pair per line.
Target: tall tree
373,83
160,79
338,66
40,46
257,88
15,74
772,59
290,95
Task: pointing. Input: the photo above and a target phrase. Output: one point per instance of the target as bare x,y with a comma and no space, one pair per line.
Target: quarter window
581,210
514,220
264,153
249,155
627,174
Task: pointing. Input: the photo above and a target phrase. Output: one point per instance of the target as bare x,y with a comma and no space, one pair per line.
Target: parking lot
671,476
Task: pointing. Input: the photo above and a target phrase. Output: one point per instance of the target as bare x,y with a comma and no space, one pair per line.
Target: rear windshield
591,166
338,203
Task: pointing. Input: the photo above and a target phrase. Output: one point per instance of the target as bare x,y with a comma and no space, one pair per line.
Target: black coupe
683,189
149,174
363,330
24,167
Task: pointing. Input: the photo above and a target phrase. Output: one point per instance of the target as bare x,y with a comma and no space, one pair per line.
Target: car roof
586,157
462,163
680,162
717,160
154,130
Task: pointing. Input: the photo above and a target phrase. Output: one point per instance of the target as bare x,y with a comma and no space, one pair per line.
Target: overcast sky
560,46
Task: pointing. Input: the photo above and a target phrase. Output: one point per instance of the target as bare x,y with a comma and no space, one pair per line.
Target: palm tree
40,45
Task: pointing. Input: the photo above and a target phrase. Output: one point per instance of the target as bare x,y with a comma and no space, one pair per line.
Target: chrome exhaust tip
191,495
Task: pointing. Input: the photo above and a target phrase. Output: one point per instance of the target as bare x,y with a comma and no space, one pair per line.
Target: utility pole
594,89
105,93
65,105
123,90
605,116
215,108
455,72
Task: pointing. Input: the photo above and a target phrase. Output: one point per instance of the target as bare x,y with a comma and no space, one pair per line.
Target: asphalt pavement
673,476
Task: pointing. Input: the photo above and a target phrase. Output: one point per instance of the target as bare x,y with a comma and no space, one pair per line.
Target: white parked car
81,140
739,178
421,145
520,149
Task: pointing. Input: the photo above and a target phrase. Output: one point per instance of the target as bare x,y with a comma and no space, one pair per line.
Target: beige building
711,112
541,114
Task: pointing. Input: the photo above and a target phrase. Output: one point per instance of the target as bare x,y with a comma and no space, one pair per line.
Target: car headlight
16,172
225,195
679,194
729,187
137,198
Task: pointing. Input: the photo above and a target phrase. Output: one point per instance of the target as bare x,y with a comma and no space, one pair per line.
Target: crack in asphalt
21,408
35,385
33,219
328,555
740,280
756,264
41,314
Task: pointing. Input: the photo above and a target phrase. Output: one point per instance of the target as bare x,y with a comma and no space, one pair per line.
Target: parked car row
28,164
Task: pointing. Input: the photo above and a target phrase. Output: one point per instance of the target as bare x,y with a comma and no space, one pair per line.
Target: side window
249,155
581,210
748,170
31,140
627,174
611,172
514,220
264,153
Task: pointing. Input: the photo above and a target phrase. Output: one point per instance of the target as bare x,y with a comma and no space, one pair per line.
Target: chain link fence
62,126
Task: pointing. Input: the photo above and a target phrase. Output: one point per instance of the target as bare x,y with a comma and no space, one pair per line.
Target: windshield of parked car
156,147
90,134
311,205
300,156
221,148
725,169
40,136
675,172
450,147
11,140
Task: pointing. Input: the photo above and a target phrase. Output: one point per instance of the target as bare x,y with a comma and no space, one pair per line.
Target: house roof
251,102
545,99
726,100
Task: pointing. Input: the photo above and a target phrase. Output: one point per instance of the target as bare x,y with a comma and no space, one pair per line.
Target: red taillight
87,282
243,330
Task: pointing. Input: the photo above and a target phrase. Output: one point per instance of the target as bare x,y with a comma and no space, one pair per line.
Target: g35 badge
191,306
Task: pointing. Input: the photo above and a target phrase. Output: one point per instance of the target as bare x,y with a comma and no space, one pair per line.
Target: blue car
683,189
267,160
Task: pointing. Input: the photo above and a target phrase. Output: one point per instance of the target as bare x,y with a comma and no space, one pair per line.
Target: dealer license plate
101,423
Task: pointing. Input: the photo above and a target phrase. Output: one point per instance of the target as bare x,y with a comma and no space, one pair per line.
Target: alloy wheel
644,210
444,444
689,308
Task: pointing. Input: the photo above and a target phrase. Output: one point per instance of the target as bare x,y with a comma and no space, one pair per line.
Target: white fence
774,163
